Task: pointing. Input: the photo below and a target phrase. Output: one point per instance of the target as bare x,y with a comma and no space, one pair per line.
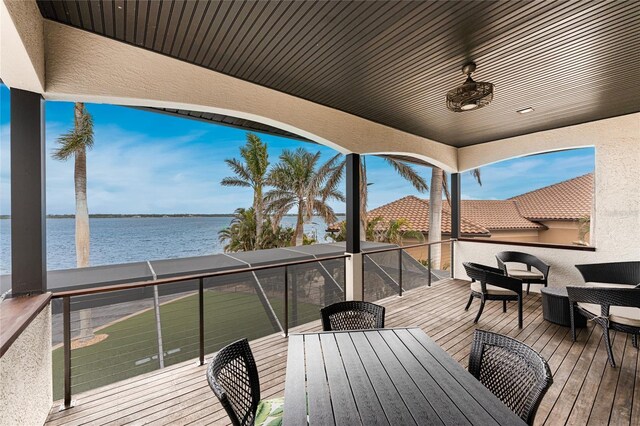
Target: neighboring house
561,208
552,214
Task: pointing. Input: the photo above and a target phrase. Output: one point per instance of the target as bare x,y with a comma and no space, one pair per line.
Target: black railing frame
401,250
67,295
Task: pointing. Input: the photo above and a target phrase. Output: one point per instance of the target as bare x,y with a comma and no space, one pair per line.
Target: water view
134,239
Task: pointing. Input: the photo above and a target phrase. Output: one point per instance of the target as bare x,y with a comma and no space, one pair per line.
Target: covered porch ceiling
393,62
253,126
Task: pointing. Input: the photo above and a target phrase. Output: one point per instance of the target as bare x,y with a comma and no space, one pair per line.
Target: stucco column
354,278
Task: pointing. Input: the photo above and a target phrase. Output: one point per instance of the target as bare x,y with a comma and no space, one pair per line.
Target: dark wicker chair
511,370
489,283
611,308
611,273
353,315
528,275
233,377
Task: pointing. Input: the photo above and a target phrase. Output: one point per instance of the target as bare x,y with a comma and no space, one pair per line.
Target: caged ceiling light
471,95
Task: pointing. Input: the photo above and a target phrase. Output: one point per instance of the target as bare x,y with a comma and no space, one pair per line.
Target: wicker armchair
353,315
489,283
233,377
528,275
511,370
611,273
612,308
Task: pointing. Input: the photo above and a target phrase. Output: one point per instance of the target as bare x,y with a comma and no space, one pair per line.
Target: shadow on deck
586,390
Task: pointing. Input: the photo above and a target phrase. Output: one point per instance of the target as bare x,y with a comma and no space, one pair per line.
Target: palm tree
405,170
381,231
299,182
251,172
240,235
438,184
75,143
395,233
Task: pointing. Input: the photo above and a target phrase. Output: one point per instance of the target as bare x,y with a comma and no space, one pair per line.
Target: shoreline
143,216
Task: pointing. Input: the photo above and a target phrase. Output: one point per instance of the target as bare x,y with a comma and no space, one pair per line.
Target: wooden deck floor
586,390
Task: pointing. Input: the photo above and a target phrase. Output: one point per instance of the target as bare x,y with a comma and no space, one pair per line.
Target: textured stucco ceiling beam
22,48
82,66
618,130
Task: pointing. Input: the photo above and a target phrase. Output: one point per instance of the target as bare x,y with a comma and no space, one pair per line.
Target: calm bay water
123,240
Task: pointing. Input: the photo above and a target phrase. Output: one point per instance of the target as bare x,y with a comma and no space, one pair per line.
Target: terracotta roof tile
568,200
496,214
416,212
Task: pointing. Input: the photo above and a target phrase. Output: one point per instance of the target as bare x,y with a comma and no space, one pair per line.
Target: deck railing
155,323
406,270
236,295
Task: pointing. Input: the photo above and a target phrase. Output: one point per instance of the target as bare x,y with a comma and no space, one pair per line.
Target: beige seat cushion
621,314
523,274
607,285
492,289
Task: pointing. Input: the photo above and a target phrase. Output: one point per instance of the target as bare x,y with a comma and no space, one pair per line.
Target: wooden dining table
383,377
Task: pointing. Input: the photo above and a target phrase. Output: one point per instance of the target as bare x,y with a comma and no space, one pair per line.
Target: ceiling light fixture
471,95
525,110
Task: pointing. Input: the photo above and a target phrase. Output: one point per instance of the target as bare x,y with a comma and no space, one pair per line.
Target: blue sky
145,162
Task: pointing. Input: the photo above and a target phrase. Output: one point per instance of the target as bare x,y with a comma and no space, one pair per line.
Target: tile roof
568,200
496,214
416,212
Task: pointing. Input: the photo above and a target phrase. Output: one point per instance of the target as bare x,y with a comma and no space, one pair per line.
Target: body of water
123,240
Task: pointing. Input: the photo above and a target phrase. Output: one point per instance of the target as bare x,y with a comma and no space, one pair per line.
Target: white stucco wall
616,220
25,375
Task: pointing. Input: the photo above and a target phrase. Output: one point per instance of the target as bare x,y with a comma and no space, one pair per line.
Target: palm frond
232,181
239,169
407,172
77,139
476,174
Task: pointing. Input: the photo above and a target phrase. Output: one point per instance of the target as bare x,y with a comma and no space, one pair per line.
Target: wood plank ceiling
393,62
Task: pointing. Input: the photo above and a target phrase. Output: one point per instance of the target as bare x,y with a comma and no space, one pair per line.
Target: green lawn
228,317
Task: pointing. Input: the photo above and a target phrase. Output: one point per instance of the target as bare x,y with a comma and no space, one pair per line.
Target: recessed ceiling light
525,110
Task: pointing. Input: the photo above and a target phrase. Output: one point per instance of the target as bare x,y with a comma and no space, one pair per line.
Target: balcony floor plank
586,390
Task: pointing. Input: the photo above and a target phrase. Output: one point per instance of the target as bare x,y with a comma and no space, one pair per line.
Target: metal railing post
201,319
286,301
452,263
66,326
294,297
429,265
400,272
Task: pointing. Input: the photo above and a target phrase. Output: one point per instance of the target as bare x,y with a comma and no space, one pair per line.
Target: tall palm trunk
298,236
363,199
435,215
82,220
258,208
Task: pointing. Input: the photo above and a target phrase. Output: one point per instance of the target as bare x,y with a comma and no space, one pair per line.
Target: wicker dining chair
611,308
352,315
511,370
529,276
233,377
611,272
489,283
